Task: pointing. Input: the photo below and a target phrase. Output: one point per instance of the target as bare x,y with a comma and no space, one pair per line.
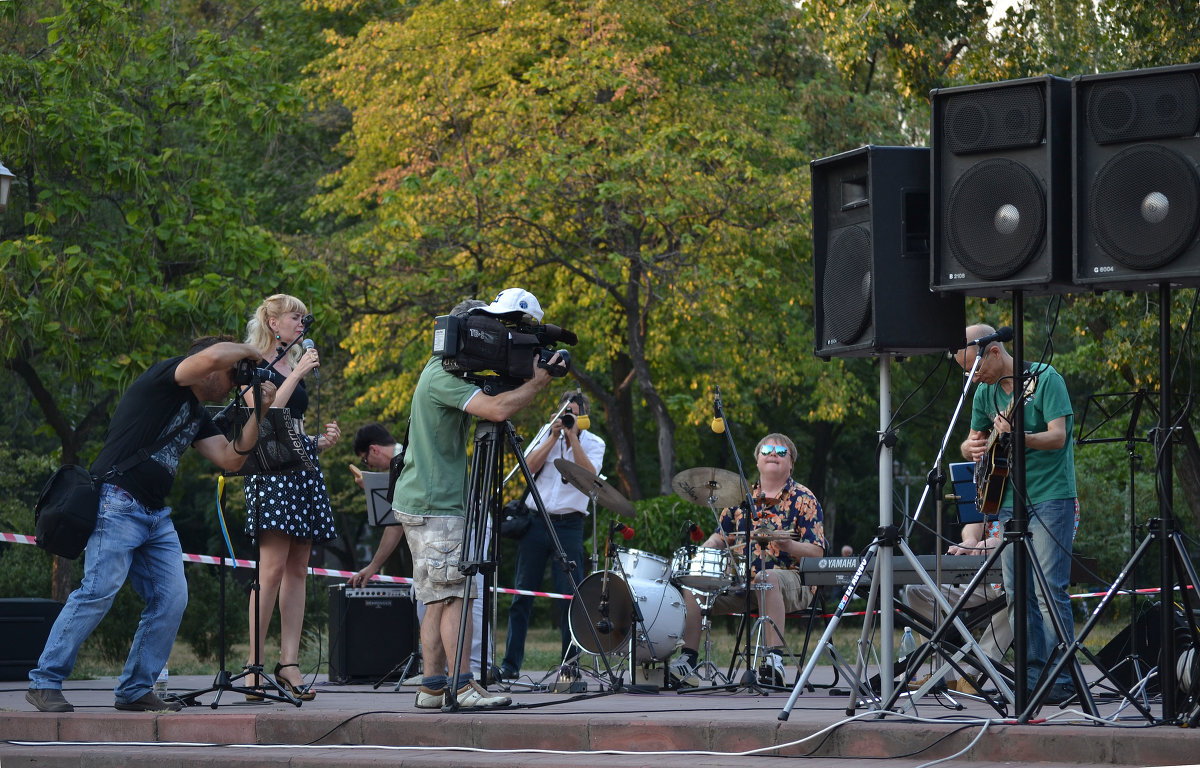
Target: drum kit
636,606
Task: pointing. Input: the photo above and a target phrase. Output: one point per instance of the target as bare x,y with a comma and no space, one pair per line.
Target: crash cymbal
592,486
709,486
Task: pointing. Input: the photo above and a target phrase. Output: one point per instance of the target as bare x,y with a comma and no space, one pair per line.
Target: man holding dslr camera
431,498
134,534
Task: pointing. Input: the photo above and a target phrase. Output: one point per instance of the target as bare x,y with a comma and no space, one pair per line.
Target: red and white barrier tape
19,538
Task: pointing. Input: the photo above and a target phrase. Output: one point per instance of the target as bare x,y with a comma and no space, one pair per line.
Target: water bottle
908,644
160,685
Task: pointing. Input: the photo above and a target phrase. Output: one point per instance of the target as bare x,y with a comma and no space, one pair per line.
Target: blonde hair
258,330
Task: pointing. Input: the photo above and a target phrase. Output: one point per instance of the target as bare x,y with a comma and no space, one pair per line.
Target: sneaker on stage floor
412,680
474,696
149,703
508,673
964,685
683,674
428,698
771,671
48,700
1059,693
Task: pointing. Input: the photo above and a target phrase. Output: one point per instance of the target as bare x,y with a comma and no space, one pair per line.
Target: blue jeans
129,540
532,555
1052,531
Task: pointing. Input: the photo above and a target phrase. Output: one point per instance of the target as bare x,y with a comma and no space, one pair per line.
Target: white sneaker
683,675
430,699
771,670
474,696
412,680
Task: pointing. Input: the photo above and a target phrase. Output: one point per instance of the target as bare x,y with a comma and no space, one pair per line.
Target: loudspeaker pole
1163,466
886,575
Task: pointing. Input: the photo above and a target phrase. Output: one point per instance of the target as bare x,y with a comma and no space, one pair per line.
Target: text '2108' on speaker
1001,183
1137,192
871,257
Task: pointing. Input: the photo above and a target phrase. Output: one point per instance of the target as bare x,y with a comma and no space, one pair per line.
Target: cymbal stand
707,670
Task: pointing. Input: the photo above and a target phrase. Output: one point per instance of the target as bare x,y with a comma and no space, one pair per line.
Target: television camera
497,353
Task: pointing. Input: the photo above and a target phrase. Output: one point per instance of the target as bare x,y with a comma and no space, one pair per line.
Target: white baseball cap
512,300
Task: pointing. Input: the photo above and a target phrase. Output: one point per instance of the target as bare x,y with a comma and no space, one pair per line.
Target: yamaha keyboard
956,569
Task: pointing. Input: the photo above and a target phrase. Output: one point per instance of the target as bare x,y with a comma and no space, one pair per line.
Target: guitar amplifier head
373,630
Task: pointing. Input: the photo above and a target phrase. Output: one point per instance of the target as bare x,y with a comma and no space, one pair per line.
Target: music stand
379,506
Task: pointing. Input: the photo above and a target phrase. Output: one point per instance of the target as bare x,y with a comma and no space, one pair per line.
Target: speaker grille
1143,206
996,218
846,294
1144,108
1006,118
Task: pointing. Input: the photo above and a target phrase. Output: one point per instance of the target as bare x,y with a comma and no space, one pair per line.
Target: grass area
542,648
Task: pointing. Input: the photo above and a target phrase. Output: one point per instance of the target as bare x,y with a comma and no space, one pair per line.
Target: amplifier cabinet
24,624
372,630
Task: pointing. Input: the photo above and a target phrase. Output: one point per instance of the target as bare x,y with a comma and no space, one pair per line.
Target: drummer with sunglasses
786,524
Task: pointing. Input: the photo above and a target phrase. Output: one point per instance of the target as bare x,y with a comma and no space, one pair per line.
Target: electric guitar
991,471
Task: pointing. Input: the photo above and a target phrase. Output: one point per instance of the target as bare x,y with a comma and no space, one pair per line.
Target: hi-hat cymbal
709,486
594,487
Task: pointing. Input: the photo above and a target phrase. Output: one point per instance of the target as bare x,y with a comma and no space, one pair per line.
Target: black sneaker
48,700
149,703
771,670
1059,693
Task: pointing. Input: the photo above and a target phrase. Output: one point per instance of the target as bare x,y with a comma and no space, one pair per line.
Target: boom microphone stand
268,688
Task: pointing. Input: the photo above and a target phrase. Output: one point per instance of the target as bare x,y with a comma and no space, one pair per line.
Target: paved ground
355,725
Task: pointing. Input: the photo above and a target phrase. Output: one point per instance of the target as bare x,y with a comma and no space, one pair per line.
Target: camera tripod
484,498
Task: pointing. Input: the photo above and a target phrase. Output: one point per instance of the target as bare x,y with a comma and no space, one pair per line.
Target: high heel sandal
304,693
256,685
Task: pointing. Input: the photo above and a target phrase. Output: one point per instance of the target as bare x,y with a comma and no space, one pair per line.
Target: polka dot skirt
295,503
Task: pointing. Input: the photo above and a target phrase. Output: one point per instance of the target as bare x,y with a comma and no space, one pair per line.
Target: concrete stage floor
356,725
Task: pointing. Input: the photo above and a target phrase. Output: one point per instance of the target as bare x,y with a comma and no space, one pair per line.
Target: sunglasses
778,450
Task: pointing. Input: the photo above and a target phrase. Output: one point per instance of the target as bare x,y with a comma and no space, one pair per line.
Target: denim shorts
435,542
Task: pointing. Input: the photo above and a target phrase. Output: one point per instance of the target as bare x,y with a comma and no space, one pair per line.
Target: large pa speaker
1001,179
871,257
25,624
1137,192
372,630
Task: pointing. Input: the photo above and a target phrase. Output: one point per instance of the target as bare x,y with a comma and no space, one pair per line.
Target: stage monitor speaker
871,257
1143,635
1137,193
372,630
25,624
1001,180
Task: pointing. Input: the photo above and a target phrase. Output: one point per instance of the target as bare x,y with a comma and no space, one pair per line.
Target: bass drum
662,610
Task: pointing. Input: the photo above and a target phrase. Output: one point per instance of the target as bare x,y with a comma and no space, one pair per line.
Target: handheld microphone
625,531
310,344
1005,333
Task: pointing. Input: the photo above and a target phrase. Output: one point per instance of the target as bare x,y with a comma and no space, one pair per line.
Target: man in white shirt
568,508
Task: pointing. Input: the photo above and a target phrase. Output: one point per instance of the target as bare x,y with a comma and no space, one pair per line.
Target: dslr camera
497,353
245,372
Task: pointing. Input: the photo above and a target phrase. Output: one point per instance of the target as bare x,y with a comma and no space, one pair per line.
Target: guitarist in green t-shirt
1049,494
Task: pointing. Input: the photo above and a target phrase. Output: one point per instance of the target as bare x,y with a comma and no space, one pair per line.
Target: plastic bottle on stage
908,644
160,684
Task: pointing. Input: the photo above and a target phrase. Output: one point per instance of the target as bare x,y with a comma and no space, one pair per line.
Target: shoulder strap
397,463
143,454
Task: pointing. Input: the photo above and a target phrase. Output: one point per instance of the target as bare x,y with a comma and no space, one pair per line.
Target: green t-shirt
1048,474
434,478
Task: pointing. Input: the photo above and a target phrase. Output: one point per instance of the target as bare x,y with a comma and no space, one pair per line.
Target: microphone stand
749,680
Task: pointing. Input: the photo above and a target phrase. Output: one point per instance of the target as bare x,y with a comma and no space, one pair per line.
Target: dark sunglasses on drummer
778,450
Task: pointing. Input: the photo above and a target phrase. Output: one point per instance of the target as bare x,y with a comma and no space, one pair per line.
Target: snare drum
706,570
638,564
